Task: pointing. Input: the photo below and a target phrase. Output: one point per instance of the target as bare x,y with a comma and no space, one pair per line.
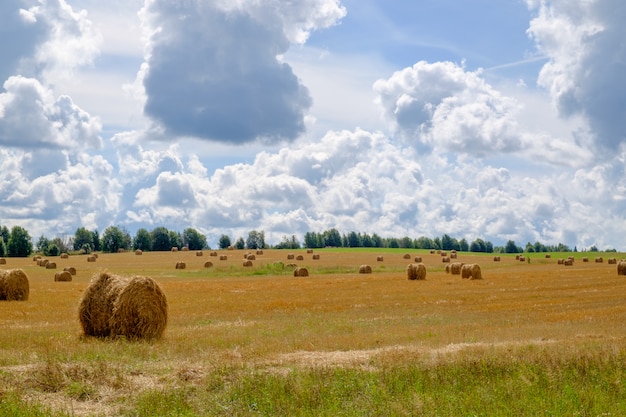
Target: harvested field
228,322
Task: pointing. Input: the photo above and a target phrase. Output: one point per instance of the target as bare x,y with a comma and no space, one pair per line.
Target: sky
492,119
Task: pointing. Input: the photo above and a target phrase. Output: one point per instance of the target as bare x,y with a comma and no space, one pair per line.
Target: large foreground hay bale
63,276
300,272
471,271
114,306
455,268
14,285
621,268
416,272
365,269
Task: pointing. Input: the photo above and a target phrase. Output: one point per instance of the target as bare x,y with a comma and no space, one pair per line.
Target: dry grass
232,316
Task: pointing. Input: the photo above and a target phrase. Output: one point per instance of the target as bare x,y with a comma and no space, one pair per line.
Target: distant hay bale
309,251
95,255
51,265
208,264
568,262
548,256
612,261
231,248
365,269
432,252
517,257
621,268
36,258
445,259
115,306
443,253
599,260
259,252
453,255
14,285
3,261
91,259
174,249
138,252
65,256
199,253
560,261
223,257
471,271
70,269
447,268
455,268
213,253
496,259
63,276
379,259
406,256
299,258
300,272
416,272
185,249
290,256
522,259
316,257
251,257
43,262
585,259
121,250
181,265
247,263
417,259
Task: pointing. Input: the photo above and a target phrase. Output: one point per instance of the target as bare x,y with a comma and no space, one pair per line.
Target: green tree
193,239
354,240
20,243
224,242
97,242
114,238
52,250
83,237
3,248
160,239
42,244
240,243
255,240
142,240
332,238
4,234
463,245
511,247
176,240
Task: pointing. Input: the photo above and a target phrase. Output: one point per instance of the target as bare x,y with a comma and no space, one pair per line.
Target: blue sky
480,119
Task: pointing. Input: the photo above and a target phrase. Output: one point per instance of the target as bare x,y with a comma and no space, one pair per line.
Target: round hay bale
599,260
14,285
299,258
455,268
96,305
417,259
213,253
3,261
138,252
259,252
36,258
140,310
447,268
290,256
379,259
522,259
223,257
568,262
247,263
406,256
612,261
174,249
496,259
443,253
199,253
95,255
181,265
251,257
517,257
548,256
560,261
185,249
453,255
365,269
475,272
121,250
309,251
51,265
91,259
445,259
416,272
621,268
43,262
300,272
316,257
63,276
466,271
585,259
65,256
208,264
432,252
70,269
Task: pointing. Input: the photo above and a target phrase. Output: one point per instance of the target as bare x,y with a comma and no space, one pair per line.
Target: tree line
18,243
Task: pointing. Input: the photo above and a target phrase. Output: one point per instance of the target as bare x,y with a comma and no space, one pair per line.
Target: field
530,338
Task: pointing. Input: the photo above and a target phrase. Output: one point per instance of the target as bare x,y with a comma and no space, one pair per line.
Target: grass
528,339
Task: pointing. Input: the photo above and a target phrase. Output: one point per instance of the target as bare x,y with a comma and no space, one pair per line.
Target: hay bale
299,258
213,253
379,259
612,261
70,269
300,272
445,259
3,261
138,252
548,256
455,268
231,248
14,285
259,252
316,257
443,253
114,306
417,259
247,263
432,252
416,272
560,261
568,262
174,249
475,272
63,276
185,249
199,253
36,258
65,256
51,265
496,259
208,264
121,250
365,269
406,256
447,268
453,255
223,257
522,259
251,257
290,256
91,259
181,265
43,262
621,268
309,251
599,260
466,271
585,259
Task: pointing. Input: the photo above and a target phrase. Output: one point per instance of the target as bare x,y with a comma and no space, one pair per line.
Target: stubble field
530,338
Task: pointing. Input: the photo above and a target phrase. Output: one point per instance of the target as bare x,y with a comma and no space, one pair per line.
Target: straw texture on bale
300,272
259,252
309,251
416,272
114,306
455,268
471,271
418,259
14,285
70,269
585,259
621,268
63,276
299,258
445,259
612,261
560,261
568,262
251,257
365,269
51,265
36,258
174,249
213,253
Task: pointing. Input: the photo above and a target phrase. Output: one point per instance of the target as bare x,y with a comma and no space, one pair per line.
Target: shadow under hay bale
301,272
62,276
365,269
14,285
117,306
416,272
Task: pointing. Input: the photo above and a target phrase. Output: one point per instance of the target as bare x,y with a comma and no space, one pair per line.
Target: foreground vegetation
529,339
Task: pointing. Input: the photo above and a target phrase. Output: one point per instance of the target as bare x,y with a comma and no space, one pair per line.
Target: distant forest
18,242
